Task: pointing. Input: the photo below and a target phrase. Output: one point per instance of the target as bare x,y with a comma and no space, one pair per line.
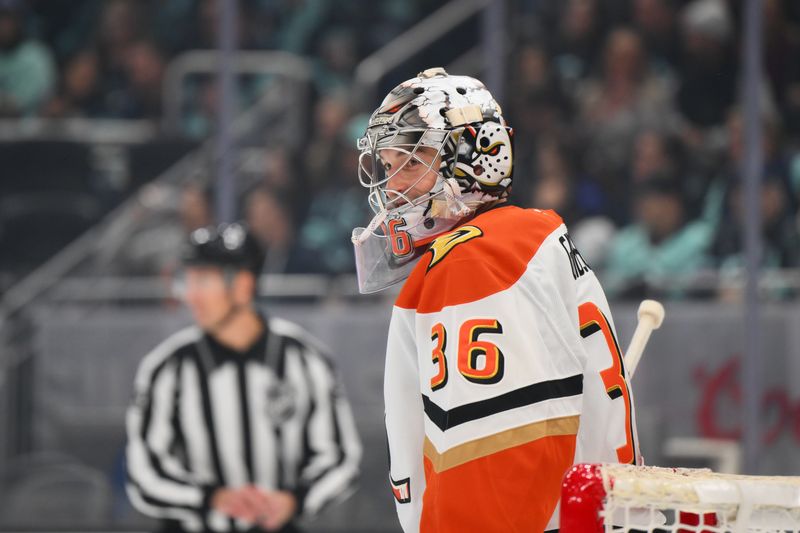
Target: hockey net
619,498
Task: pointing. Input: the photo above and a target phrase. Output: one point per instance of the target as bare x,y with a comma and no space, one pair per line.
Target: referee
238,423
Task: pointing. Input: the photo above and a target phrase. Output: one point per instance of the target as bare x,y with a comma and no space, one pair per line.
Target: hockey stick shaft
651,316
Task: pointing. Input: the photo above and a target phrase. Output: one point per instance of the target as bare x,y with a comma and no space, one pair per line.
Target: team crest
445,244
281,402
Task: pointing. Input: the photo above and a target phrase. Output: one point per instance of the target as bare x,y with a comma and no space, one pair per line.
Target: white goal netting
677,500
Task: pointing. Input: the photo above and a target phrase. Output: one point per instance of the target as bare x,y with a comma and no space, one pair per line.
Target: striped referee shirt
205,416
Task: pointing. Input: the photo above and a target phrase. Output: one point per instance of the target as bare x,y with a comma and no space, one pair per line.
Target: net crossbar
613,497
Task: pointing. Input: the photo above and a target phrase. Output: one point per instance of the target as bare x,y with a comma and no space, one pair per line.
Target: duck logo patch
445,244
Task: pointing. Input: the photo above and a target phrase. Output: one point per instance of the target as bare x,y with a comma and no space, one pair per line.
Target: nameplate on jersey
576,261
445,244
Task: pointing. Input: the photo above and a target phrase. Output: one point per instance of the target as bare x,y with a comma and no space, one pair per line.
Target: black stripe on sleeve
147,426
208,417
332,392
147,400
179,439
312,408
204,371
277,429
335,423
535,393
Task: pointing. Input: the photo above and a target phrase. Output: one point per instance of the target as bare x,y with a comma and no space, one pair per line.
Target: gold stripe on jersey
498,442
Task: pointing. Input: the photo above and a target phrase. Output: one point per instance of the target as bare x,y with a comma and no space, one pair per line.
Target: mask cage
375,176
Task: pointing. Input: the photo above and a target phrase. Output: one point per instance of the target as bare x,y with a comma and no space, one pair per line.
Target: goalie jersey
502,370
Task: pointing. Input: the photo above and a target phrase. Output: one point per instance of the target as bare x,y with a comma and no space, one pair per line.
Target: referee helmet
227,246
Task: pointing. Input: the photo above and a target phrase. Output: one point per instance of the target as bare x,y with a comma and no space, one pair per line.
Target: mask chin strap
376,221
452,195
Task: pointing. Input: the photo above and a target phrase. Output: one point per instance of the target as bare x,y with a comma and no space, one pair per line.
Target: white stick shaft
639,340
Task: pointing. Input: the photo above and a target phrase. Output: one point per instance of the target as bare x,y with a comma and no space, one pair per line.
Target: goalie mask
436,153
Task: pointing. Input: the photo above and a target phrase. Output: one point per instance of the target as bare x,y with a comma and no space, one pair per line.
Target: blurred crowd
106,58
627,117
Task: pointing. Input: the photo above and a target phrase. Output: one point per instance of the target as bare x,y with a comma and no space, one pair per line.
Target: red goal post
612,497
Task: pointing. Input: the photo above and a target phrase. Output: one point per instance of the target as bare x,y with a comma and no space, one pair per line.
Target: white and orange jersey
502,370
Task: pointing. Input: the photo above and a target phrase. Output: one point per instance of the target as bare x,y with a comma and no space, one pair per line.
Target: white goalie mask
436,152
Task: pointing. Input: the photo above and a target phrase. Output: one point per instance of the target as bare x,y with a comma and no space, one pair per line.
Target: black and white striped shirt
204,416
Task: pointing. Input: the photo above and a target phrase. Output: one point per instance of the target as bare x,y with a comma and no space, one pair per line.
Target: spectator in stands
651,155
781,53
183,25
144,72
195,209
272,224
778,205
238,423
393,18
80,93
137,86
658,246
118,76
208,23
281,164
121,24
153,249
656,21
579,29
794,181
199,119
336,60
27,71
172,25
333,213
299,22
121,27
728,174
558,186
791,111
553,187
65,25
537,101
278,164
780,235
707,73
627,99
331,115
656,153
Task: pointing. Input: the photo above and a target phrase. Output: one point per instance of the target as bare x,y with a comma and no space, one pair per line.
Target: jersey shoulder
289,330
483,256
175,344
170,349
